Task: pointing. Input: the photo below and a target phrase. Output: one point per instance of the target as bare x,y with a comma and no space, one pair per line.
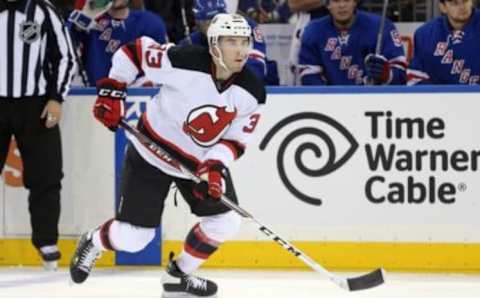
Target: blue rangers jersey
329,56
446,56
256,61
99,45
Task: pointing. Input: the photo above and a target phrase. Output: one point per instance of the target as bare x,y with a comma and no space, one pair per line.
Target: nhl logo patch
29,31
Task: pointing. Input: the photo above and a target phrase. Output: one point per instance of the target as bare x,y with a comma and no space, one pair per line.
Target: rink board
362,222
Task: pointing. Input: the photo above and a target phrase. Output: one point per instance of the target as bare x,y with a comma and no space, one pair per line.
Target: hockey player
100,37
204,115
306,11
446,47
339,49
204,12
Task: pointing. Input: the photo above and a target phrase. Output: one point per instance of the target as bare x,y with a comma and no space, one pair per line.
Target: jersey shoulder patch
253,85
190,57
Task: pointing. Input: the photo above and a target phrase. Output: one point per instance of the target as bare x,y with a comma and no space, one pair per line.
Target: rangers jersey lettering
329,56
99,45
446,56
193,116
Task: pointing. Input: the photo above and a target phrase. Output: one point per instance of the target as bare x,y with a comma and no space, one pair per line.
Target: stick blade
367,281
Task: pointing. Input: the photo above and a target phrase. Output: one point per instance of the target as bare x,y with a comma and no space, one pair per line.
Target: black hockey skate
84,258
178,284
50,256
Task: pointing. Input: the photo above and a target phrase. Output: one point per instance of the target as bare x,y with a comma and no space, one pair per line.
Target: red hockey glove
212,173
378,69
109,106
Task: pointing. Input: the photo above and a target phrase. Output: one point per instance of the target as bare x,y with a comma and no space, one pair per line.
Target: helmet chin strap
219,58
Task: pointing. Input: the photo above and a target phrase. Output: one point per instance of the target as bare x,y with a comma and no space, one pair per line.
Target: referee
36,67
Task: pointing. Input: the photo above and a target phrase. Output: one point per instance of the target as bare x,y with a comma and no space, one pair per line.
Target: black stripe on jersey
10,40
55,52
197,58
38,72
30,10
68,73
191,57
250,82
53,57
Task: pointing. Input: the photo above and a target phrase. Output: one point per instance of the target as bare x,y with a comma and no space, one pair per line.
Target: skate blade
50,266
184,295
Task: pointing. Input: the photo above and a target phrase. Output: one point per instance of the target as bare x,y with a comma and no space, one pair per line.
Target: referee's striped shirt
36,54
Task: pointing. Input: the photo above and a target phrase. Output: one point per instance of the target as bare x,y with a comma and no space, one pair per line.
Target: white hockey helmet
224,24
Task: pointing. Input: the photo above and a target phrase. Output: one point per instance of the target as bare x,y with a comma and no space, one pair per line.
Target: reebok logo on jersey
206,124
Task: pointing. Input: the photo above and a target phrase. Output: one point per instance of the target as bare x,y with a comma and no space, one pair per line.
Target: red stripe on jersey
171,145
130,56
171,162
138,45
256,56
411,75
236,147
415,78
399,63
230,146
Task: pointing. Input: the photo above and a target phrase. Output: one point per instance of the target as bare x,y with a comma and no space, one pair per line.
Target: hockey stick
362,282
183,11
378,48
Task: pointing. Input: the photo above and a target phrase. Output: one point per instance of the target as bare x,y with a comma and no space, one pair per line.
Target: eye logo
206,124
330,164
13,173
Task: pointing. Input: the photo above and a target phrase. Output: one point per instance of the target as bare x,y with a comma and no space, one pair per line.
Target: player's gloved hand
378,69
212,172
82,21
109,106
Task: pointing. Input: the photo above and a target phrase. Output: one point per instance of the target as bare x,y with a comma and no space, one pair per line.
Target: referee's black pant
41,152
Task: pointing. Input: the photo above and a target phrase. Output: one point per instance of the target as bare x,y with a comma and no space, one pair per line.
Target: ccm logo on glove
118,94
109,106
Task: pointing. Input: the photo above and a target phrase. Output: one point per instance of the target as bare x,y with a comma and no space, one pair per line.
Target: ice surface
135,282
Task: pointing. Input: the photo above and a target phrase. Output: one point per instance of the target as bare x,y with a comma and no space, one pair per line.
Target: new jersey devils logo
206,124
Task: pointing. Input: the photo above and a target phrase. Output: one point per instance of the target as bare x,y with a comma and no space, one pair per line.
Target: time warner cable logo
393,148
330,155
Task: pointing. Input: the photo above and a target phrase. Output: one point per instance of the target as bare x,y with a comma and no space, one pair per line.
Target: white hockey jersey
192,117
